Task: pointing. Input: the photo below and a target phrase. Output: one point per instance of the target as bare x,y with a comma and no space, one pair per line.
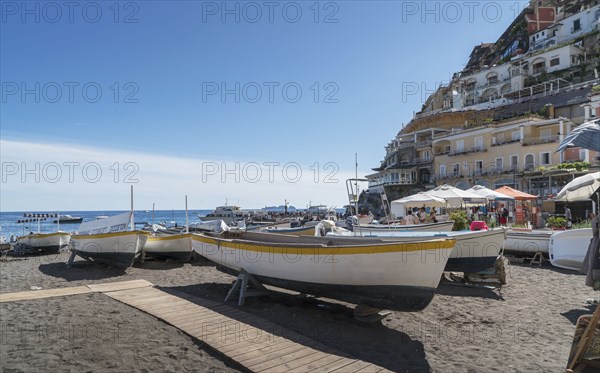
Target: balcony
540,140
506,142
423,144
475,149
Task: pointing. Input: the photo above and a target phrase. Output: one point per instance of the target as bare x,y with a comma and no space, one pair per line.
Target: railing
424,144
505,142
539,70
540,140
475,149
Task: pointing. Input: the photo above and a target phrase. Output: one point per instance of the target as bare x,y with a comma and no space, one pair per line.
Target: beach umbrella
580,189
398,206
456,198
488,193
585,136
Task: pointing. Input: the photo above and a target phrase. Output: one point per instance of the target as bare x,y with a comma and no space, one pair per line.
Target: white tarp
117,223
488,193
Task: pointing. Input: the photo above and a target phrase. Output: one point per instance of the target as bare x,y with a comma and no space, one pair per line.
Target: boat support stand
241,286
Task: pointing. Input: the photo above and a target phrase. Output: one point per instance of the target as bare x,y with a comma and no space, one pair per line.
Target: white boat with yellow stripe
175,246
389,275
49,243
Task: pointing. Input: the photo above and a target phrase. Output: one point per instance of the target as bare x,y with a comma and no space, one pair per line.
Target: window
478,167
555,61
447,149
426,155
460,145
479,143
529,162
546,134
499,164
456,169
514,162
516,135
576,26
545,158
539,67
500,138
443,170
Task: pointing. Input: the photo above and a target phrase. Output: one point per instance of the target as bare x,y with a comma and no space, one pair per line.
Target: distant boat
387,275
568,248
49,243
229,214
68,219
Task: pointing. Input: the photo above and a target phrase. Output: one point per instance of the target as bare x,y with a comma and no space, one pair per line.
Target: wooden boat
299,231
117,248
527,242
390,275
172,246
49,243
429,227
568,248
475,251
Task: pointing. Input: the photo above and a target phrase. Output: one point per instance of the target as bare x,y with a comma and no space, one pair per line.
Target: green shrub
460,220
556,222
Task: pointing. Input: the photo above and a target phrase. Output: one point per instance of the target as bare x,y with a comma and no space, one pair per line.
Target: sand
526,327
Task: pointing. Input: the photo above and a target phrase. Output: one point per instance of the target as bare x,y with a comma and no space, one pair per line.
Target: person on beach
569,217
502,215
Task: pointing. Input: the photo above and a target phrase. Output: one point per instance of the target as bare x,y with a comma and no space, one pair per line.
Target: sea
9,224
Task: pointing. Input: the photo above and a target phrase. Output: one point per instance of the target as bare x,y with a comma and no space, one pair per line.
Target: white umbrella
398,206
455,197
490,194
580,189
585,136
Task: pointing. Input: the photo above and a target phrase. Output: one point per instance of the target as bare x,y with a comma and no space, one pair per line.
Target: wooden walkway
255,343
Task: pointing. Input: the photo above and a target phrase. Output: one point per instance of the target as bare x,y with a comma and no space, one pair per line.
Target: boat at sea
229,214
388,275
567,249
475,251
68,219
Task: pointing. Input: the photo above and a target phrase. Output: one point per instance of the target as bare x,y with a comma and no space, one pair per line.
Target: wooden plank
46,293
120,285
254,343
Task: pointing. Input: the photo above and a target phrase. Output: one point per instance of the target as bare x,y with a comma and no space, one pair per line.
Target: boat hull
398,276
431,227
299,231
118,249
527,242
475,251
49,243
568,248
177,246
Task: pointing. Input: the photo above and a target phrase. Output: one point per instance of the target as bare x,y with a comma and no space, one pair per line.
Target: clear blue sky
168,57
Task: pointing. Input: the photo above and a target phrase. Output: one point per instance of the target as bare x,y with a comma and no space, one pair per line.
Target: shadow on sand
328,323
81,270
574,314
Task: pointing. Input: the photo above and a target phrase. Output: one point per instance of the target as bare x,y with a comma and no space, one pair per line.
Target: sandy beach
527,326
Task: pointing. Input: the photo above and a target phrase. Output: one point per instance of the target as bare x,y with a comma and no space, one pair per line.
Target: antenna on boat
356,182
152,212
187,227
58,220
132,219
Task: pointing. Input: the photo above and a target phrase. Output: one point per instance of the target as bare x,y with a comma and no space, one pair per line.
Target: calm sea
9,225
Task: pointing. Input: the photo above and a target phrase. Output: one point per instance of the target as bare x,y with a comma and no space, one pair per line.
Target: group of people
419,216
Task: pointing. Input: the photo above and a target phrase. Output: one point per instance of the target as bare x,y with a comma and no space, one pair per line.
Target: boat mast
187,227
132,219
152,212
356,183
58,220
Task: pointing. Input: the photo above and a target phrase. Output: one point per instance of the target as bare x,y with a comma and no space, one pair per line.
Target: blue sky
143,80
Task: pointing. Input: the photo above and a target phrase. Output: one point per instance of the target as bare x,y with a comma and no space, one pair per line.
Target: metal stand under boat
241,286
369,315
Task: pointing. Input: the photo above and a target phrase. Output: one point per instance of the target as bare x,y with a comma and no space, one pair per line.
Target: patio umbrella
516,194
580,189
455,197
398,206
488,193
585,136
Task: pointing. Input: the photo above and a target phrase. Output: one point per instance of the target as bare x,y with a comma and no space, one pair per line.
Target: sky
256,103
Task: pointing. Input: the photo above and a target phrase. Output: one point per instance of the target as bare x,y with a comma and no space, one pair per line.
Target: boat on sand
389,275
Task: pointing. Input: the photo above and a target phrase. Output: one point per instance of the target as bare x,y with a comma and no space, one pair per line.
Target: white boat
527,242
174,246
49,243
68,219
117,248
390,275
229,214
428,227
475,251
568,248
